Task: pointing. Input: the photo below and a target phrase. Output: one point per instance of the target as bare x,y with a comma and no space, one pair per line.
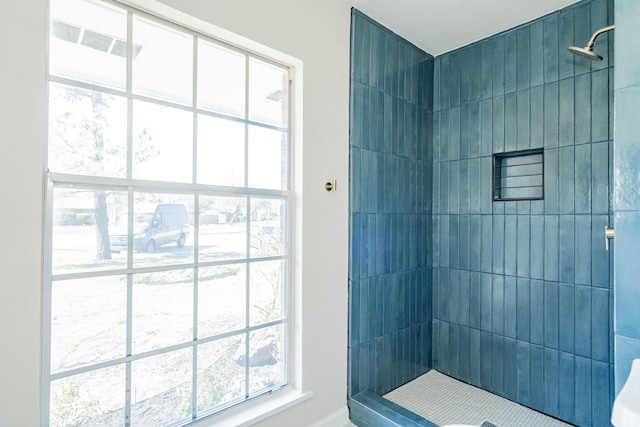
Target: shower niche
518,175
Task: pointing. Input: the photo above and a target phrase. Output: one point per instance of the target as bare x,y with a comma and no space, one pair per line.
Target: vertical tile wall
627,185
522,304
390,209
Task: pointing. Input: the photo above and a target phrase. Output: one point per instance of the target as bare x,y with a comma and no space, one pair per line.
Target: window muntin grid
174,314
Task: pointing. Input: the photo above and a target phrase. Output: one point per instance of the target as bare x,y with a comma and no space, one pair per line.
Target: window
167,223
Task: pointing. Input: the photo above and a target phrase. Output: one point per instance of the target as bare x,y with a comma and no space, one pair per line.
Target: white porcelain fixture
626,408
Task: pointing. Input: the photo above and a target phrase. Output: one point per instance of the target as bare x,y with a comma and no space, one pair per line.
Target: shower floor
444,400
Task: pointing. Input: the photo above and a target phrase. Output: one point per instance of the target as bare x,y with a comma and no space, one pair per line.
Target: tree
88,137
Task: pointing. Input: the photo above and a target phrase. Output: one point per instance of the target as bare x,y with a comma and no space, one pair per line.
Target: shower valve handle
609,233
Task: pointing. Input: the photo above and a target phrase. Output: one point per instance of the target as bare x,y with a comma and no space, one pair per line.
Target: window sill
257,409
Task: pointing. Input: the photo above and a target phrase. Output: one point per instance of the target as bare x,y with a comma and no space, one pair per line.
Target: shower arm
592,40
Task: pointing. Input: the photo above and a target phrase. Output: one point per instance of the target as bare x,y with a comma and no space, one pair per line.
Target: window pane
267,158
267,227
161,389
162,143
222,296
267,93
221,379
162,309
266,359
94,398
82,222
85,40
163,66
267,297
162,231
223,228
88,321
220,151
221,79
87,132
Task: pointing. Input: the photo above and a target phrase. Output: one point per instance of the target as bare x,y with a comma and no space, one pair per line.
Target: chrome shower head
587,51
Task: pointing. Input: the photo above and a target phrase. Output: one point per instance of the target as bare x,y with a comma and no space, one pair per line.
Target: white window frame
253,408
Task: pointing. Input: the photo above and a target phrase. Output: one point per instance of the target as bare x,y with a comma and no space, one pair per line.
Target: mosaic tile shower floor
444,400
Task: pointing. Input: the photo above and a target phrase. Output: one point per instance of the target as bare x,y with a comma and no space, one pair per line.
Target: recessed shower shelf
518,175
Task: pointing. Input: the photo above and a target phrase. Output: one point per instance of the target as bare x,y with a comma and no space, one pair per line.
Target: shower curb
367,409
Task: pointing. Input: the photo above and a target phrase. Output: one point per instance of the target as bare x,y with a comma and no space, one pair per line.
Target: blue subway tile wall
518,301
391,170
522,304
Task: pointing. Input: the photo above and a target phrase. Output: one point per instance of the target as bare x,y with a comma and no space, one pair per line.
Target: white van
154,227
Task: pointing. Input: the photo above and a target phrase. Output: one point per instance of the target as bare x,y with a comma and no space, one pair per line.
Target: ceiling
438,26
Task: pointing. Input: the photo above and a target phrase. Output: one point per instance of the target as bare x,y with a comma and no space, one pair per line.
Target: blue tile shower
390,210
513,297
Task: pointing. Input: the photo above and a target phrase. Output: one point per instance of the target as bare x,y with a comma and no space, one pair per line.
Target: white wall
22,109
315,32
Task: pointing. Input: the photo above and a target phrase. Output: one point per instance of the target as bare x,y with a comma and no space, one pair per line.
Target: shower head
587,51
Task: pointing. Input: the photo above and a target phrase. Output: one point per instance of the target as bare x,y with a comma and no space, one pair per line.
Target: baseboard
340,418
